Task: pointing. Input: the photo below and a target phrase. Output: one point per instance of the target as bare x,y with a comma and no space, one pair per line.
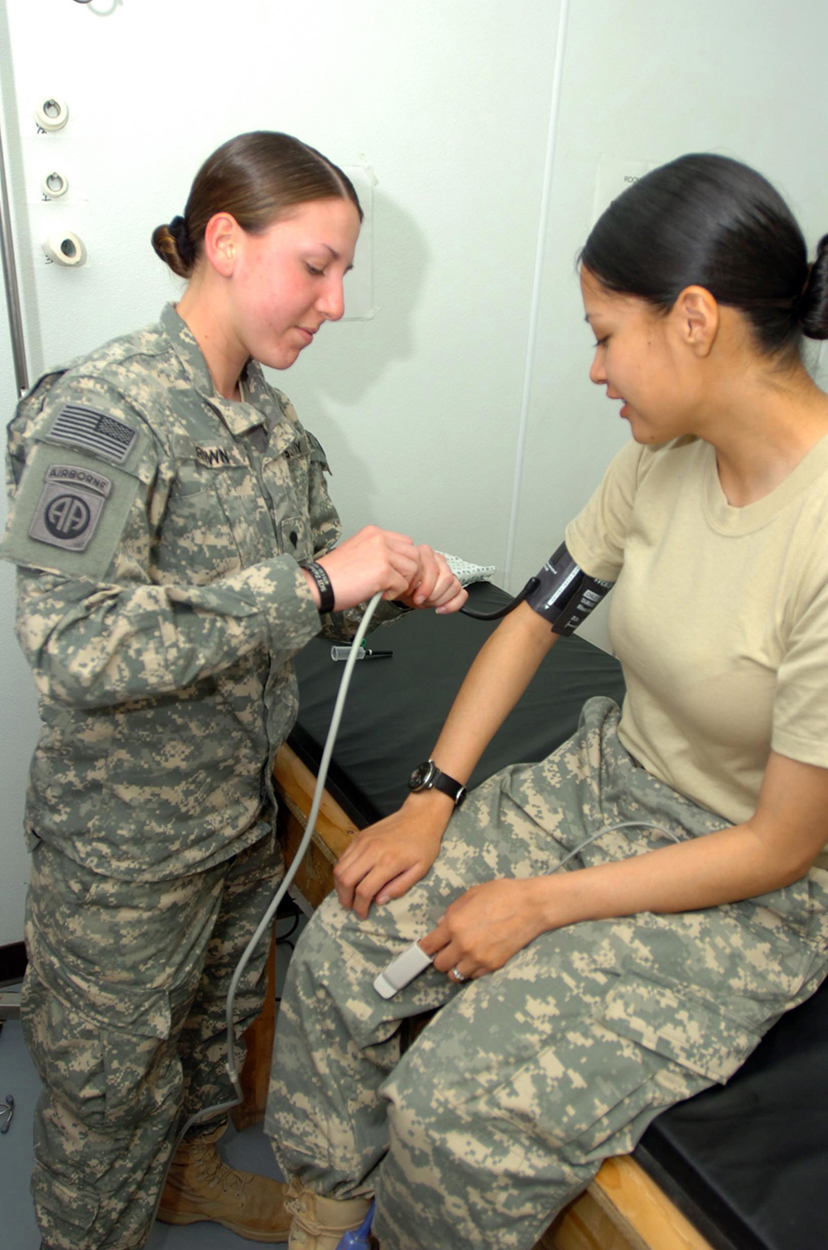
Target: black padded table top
748,1162
395,707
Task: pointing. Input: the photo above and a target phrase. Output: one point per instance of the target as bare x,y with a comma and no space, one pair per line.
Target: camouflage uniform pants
123,1010
526,1079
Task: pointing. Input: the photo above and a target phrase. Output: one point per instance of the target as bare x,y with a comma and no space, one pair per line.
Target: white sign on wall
614,175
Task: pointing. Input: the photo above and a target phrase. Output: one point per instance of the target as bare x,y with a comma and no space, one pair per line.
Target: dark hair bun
172,244
813,303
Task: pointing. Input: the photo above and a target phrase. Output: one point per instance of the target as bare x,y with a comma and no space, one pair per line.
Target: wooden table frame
622,1209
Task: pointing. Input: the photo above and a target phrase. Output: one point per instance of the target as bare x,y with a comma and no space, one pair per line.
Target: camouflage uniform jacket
157,529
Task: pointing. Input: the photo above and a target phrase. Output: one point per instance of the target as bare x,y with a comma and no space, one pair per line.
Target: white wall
419,407
647,81
18,709
430,96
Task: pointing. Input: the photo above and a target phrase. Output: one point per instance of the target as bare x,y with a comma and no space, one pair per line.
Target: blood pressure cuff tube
565,595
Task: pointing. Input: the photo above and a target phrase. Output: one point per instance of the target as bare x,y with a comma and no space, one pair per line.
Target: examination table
747,1162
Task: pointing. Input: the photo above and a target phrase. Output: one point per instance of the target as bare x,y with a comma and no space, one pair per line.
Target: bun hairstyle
256,178
710,221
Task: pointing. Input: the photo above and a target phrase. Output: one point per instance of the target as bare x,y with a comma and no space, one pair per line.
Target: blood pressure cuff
565,595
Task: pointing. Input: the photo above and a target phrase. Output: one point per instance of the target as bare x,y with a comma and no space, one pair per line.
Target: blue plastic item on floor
359,1238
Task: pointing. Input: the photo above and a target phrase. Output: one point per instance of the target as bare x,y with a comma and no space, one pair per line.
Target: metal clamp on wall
64,247
51,114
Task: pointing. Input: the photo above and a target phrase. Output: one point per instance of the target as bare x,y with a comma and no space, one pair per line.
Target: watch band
428,776
323,585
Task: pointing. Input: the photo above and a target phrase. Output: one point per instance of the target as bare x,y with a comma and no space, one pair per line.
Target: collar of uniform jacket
238,417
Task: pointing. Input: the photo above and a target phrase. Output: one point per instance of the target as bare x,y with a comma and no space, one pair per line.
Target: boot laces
295,1204
214,1171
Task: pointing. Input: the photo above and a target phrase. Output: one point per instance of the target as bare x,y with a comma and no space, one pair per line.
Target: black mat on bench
748,1163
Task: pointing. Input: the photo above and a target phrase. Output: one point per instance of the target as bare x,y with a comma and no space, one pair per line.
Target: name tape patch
81,426
212,457
70,507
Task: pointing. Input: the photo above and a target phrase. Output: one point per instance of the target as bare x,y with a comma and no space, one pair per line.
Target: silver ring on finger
458,975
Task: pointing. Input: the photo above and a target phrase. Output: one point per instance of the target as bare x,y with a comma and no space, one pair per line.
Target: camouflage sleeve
327,531
95,625
96,644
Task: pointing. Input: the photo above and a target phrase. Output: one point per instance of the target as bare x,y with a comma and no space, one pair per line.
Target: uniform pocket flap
77,1207
697,1034
145,1012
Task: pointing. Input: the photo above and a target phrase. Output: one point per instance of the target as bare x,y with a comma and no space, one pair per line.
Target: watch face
421,776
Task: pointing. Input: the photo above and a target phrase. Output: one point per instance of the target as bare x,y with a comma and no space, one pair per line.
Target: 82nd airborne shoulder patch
70,507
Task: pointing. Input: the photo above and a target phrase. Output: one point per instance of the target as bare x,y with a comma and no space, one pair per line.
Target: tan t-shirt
719,617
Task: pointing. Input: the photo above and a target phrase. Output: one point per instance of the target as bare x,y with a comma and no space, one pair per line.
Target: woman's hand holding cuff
381,560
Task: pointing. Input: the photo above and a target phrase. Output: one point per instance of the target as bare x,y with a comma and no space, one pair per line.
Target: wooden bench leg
255,1074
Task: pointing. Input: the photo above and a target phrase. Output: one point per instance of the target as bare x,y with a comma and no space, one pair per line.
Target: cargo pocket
56,1201
693,1032
111,1060
142,1070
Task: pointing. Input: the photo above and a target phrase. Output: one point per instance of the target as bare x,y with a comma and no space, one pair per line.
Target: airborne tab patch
70,507
81,426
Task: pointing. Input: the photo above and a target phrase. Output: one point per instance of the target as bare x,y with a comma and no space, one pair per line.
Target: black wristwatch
427,776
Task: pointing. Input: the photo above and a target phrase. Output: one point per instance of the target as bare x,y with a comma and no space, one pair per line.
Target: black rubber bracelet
323,585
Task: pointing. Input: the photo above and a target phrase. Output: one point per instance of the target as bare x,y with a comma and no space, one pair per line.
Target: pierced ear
698,316
221,243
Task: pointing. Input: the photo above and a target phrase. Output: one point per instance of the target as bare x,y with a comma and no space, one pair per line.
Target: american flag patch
80,426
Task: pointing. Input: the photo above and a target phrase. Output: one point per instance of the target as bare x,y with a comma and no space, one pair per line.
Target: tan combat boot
201,1186
319,1223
